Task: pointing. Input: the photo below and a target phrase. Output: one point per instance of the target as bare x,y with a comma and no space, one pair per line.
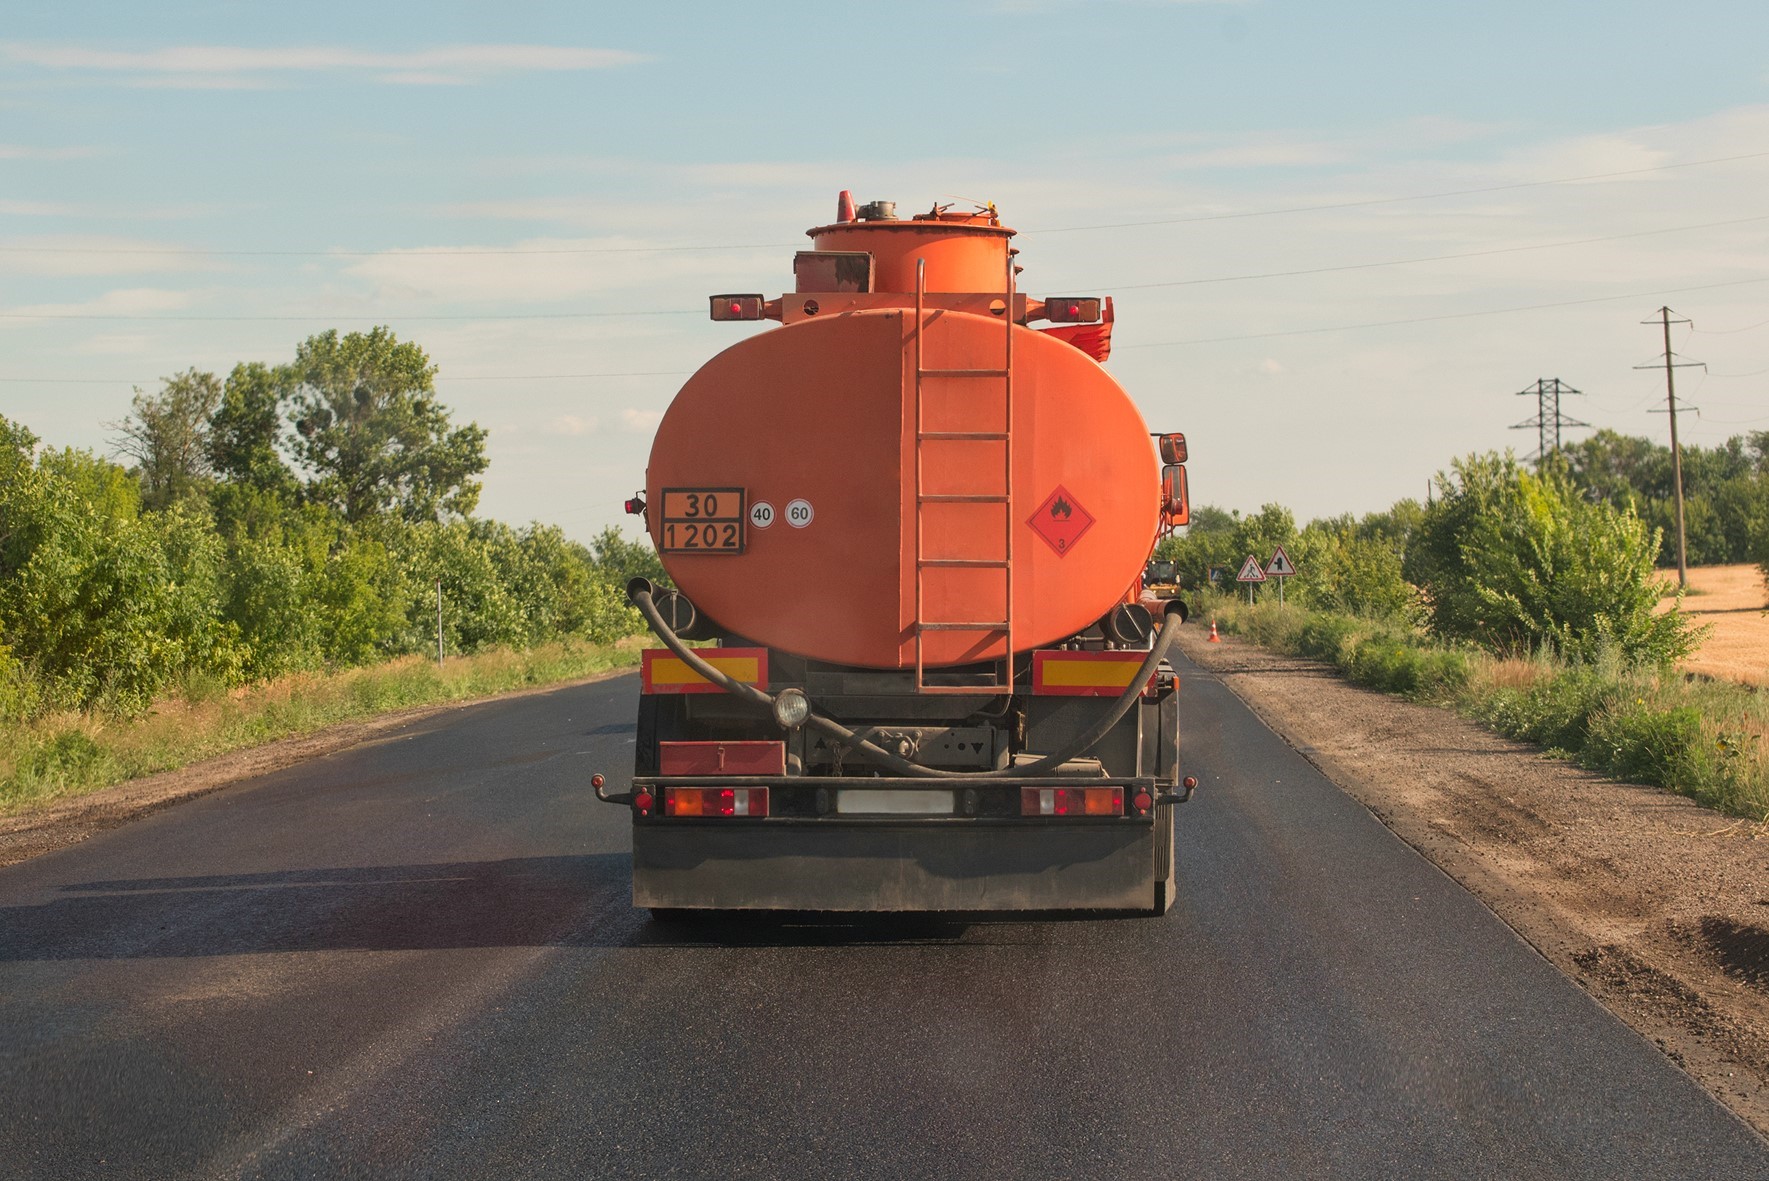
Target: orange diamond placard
1060,521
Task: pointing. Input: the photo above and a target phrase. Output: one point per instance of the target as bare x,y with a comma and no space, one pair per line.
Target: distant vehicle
913,529
1160,580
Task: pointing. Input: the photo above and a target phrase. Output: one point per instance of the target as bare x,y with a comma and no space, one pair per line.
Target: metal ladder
923,563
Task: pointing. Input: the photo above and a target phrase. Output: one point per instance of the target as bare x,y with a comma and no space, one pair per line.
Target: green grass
61,755
1703,738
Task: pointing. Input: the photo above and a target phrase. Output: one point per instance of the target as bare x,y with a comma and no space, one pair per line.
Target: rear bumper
893,865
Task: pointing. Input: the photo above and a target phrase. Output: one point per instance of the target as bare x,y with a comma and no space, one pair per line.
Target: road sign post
1251,572
1280,567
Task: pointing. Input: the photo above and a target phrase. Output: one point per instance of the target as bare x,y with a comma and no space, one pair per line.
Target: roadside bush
1667,747
1554,710
1517,562
1395,664
1342,571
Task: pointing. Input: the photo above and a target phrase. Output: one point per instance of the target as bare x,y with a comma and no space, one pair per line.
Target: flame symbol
1060,508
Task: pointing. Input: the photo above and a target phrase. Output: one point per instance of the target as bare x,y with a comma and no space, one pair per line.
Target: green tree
245,430
166,434
619,561
372,435
1514,560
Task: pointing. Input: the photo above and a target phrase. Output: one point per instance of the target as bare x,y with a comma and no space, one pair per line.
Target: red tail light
715,801
736,307
643,803
1071,801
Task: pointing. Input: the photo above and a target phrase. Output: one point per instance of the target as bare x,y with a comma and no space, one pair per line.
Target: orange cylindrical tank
911,517
963,252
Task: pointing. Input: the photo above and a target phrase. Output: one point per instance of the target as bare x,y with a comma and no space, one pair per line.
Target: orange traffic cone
1214,638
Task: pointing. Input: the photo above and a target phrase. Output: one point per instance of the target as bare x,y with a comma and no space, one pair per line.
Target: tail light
715,801
1069,309
1071,801
736,307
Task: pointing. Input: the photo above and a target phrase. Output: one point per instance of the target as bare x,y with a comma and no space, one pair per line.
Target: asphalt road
417,958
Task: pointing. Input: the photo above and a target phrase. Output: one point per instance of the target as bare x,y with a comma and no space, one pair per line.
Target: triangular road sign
1280,565
1250,571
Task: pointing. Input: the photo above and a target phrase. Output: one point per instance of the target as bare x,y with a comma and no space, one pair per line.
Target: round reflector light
792,709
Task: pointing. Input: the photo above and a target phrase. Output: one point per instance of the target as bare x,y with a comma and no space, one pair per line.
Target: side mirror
1175,502
1173,448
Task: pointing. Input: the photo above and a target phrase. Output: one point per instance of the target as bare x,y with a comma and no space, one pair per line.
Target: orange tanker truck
911,530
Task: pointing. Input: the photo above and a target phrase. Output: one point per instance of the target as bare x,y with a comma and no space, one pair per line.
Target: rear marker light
715,801
643,803
736,307
1142,800
1071,801
1070,309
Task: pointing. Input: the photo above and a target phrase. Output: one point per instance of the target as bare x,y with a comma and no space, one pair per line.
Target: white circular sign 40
761,514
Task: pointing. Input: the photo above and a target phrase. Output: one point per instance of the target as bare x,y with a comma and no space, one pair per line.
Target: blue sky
200,184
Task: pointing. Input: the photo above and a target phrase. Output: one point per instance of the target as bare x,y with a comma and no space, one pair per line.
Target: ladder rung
965,563
978,436
961,498
963,372
962,627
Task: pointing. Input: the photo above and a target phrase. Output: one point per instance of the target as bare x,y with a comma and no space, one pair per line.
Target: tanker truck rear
907,663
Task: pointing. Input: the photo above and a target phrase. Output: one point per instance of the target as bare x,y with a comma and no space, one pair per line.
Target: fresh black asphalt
417,958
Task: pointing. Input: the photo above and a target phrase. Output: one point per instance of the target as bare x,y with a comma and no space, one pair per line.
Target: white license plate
860,802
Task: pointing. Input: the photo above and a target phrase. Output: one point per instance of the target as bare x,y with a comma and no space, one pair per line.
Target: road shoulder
1656,906
69,821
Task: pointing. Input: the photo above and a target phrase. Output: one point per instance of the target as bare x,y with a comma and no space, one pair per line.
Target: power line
567,250
338,316
15,315
1528,184
1727,331
1363,266
445,251
444,377
1534,307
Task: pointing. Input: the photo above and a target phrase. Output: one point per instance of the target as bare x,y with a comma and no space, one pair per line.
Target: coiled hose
640,592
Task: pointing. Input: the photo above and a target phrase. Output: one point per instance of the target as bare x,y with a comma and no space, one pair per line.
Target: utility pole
439,623
1671,366
1548,419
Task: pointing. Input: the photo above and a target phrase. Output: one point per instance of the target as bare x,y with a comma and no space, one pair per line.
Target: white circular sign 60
761,514
799,513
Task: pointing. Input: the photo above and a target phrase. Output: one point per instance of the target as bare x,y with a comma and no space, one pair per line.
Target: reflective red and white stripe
715,801
1071,801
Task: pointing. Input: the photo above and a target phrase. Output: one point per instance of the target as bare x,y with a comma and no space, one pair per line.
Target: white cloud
572,424
227,66
36,208
543,269
640,422
32,152
128,301
94,254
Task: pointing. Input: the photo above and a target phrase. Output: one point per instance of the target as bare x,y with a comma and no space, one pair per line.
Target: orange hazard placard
1060,521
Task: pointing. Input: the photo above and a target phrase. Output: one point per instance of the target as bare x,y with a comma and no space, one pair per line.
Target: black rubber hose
640,590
